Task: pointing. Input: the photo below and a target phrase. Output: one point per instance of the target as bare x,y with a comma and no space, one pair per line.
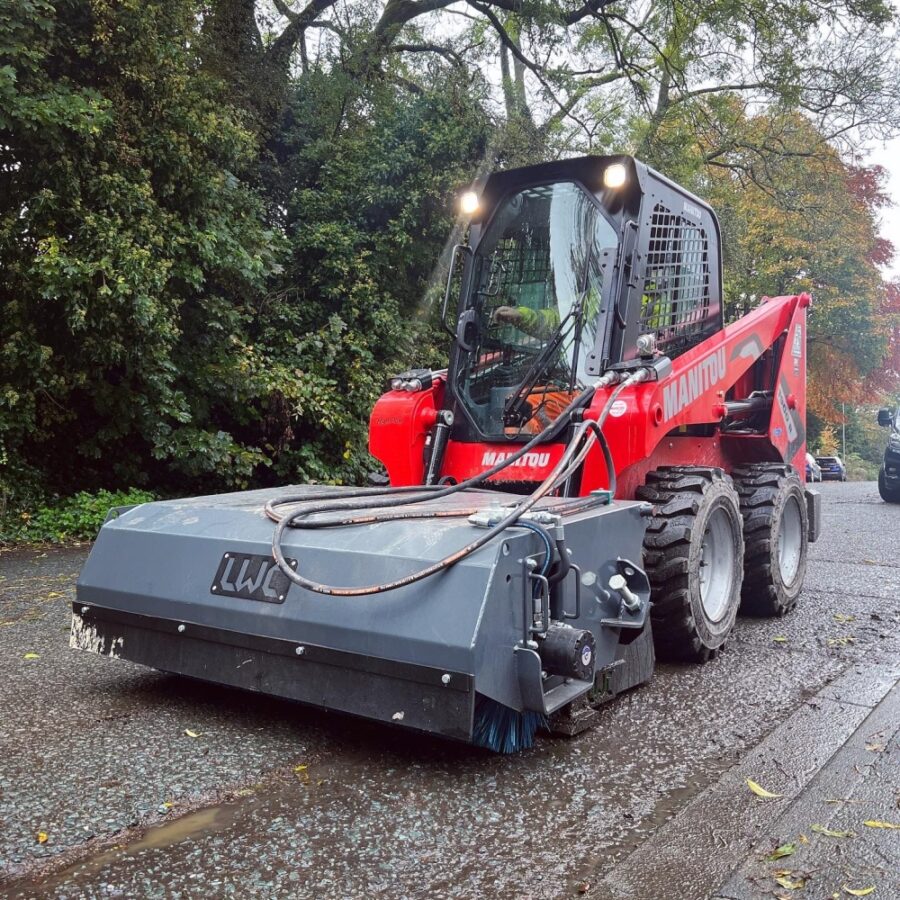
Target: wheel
694,555
776,536
888,494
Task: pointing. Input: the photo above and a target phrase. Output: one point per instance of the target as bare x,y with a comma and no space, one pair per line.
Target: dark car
832,468
889,474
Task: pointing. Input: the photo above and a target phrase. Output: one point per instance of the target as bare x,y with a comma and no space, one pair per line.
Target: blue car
832,468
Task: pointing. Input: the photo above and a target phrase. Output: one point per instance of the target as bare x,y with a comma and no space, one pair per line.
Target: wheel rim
717,565
790,541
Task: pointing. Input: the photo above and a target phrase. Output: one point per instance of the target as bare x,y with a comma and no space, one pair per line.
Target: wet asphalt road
273,799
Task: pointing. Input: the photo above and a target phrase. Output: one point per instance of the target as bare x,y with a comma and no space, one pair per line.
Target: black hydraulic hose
296,518
434,492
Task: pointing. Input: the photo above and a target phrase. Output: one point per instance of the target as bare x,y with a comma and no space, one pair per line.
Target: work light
615,176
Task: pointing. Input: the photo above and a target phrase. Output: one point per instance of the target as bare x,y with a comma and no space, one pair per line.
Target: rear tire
888,494
694,555
776,537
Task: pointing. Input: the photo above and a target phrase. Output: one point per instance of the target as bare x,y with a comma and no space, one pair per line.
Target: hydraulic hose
572,457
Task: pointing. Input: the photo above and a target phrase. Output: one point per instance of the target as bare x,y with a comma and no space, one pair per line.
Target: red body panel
644,425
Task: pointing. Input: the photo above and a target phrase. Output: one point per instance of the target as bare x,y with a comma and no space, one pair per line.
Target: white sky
888,155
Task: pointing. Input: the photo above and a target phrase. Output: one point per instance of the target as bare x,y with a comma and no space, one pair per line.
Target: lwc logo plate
251,577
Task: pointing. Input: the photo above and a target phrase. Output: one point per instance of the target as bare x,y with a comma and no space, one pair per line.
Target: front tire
888,494
776,537
693,554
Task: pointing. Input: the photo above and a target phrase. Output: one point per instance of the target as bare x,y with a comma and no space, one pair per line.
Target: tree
131,248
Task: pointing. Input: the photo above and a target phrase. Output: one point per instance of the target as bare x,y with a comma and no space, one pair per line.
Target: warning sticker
618,409
797,347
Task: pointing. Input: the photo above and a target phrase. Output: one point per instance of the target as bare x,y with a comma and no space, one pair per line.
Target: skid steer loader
604,472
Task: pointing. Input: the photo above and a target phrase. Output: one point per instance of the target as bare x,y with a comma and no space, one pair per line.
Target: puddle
199,824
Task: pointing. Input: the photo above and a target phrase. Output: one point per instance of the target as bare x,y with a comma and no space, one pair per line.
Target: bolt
227,556
300,651
281,596
85,610
214,588
445,678
181,629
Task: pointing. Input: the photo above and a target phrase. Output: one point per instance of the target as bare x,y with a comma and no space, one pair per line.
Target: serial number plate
251,577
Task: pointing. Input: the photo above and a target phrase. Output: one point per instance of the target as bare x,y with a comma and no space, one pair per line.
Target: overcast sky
888,155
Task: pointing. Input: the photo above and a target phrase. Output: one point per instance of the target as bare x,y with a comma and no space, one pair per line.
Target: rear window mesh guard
675,305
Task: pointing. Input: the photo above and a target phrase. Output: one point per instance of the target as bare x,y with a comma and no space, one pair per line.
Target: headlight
468,203
894,442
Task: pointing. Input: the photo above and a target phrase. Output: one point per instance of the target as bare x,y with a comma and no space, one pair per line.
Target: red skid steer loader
605,468
597,267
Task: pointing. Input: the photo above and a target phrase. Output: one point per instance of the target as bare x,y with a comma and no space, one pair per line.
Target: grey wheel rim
790,541
717,565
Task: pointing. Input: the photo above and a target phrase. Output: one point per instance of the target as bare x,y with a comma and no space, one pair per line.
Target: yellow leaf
300,768
780,638
803,839
792,884
821,829
32,656
167,804
875,748
875,823
859,892
41,837
761,791
190,733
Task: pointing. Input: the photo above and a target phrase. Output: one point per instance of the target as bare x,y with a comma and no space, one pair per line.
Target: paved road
272,799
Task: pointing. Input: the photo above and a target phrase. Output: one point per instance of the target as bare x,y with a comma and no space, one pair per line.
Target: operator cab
569,264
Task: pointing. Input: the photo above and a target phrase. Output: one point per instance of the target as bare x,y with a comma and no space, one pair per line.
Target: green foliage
859,469
133,255
216,244
74,518
368,187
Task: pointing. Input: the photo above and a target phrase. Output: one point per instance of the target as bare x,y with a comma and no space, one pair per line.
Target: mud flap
814,513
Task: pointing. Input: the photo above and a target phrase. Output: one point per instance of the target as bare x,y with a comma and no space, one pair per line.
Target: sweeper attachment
600,439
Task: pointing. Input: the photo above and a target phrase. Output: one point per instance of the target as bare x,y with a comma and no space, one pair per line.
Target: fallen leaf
300,768
841,641
792,884
761,791
190,733
167,804
53,594
803,839
841,617
821,829
41,837
859,892
32,656
875,823
780,639
782,851
875,748
584,887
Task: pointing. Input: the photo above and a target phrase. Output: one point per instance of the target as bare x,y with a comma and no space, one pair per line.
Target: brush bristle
504,730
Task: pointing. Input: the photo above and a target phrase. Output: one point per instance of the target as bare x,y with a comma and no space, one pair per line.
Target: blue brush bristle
502,729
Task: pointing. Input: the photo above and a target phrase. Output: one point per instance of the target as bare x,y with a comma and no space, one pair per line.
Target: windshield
536,300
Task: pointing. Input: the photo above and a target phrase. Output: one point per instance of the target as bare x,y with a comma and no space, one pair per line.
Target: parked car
832,468
813,470
889,474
